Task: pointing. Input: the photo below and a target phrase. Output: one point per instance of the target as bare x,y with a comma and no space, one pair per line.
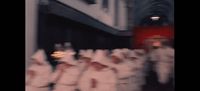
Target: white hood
132,54
118,53
125,50
100,57
88,53
81,52
40,56
141,51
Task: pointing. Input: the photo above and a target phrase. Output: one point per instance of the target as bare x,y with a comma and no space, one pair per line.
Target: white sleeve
167,55
171,53
153,56
75,74
84,81
111,77
54,75
125,71
47,74
31,68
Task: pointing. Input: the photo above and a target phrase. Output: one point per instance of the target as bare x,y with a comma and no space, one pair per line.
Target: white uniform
40,81
165,61
141,66
82,65
125,52
83,83
68,78
84,53
135,79
105,78
124,71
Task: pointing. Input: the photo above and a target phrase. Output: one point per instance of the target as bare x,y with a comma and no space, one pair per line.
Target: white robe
40,81
68,79
137,78
106,80
141,70
82,66
124,72
165,63
132,84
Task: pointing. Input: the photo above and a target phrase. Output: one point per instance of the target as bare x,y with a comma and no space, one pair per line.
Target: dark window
90,1
116,12
105,5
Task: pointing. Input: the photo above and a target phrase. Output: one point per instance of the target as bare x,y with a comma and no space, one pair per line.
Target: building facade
110,12
87,24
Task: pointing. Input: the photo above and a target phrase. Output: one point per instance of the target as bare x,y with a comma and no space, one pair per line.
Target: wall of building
31,28
122,15
96,11
60,30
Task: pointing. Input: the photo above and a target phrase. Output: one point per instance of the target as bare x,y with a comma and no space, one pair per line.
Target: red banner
142,33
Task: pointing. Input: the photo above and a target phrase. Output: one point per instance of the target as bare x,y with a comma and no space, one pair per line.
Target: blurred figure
98,77
37,77
134,84
125,52
66,74
121,68
85,59
141,54
141,66
107,52
148,44
163,56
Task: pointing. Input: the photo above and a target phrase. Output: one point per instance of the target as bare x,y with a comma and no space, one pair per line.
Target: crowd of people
99,70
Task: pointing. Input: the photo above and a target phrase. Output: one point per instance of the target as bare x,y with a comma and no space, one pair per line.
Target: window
90,1
105,5
116,12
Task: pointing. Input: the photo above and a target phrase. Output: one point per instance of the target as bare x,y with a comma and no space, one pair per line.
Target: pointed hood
40,56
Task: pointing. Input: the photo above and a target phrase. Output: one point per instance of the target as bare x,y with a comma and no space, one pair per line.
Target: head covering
117,53
68,57
132,54
107,52
81,52
90,50
140,51
100,57
125,50
40,56
87,53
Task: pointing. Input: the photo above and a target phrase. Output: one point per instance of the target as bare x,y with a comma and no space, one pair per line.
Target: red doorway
140,34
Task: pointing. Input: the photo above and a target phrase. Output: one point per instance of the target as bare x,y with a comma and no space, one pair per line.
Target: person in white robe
99,76
85,58
37,76
122,69
67,73
163,56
